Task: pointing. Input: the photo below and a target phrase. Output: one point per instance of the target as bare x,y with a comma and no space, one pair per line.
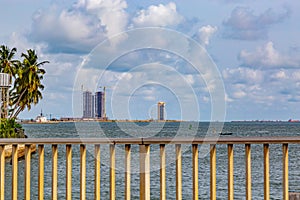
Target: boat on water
226,133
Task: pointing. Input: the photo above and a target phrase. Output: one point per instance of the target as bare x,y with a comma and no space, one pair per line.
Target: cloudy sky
253,47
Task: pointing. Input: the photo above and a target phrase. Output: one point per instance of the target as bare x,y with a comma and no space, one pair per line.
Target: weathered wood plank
162,172
127,171
248,172
285,171
230,172
213,172
54,171
112,172
27,172
266,172
145,172
97,172
2,172
195,171
178,172
68,172
41,171
82,172
14,181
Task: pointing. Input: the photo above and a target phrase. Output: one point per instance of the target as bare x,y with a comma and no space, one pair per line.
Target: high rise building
88,101
161,110
94,105
99,105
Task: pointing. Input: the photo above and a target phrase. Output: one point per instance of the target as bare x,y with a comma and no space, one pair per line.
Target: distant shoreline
150,120
94,120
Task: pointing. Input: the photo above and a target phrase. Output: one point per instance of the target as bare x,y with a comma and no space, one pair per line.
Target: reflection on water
92,129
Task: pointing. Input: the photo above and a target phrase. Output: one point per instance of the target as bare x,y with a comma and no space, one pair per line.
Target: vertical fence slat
145,172
230,172
14,160
213,173
54,171
68,172
27,171
97,172
82,172
266,172
195,171
248,171
2,171
285,167
112,172
162,172
127,171
41,172
178,172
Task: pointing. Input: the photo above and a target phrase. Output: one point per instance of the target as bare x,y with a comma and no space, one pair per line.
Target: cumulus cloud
79,28
205,32
160,15
111,13
280,75
245,25
243,83
258,87
268,56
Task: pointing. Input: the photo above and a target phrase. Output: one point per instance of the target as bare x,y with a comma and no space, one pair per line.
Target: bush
9,128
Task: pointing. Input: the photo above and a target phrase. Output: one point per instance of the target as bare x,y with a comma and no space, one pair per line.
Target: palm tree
8,66
27,86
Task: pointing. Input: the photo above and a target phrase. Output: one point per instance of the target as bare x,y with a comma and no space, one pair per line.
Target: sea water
170,129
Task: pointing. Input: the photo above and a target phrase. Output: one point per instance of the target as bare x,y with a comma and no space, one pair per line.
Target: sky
208,59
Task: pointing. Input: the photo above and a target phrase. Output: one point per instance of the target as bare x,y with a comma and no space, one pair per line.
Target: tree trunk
17,104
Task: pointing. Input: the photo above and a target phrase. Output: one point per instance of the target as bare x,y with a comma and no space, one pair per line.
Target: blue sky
254,45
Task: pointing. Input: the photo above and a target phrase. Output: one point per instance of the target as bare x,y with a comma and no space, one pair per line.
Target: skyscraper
161,110
99,105
88,107
94,105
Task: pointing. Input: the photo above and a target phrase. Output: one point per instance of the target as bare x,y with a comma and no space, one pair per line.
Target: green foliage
9,128
26,76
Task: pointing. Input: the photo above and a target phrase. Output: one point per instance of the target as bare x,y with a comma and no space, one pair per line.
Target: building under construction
94,105
161,110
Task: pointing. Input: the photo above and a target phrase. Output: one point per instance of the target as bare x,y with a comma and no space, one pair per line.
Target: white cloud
268,56
111,13
255,87
239,94
243,83
205,32
161,15
242,75
81,27
280,75
190,79
227,98
296,76
244,24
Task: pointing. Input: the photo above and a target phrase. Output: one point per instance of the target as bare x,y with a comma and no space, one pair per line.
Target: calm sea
93,129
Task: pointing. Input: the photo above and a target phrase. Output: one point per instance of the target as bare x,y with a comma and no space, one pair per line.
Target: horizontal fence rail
144,173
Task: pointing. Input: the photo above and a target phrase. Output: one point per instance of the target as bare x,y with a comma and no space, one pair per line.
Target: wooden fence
144,153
